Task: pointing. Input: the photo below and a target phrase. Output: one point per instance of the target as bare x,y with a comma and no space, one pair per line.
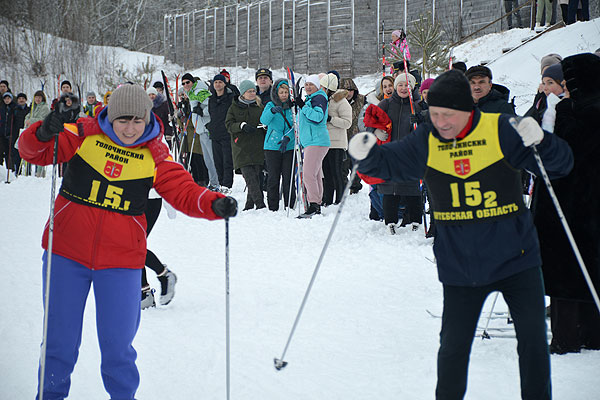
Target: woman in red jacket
100,229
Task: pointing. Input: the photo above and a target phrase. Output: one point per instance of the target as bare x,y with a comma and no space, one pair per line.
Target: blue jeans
117,294
524,294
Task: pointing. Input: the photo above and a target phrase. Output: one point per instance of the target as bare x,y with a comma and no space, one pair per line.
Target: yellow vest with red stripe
469,180
105,175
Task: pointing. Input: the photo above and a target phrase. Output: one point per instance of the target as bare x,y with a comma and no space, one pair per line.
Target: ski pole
48,268
410,94
292,177
279,362
485,334
566,227
227,352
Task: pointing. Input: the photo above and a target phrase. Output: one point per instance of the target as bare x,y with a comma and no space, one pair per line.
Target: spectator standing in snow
539,102
543,6
394,194
65,89
578,10
39,111
264,84
228,83
92,106
383,90
21,110
488,97
109,229
314,138
357,102
480,246
106,97
339,120
198,94
6,127
552,78
218,105
510,5
160,87
247,140
4,87
424,91
161,109
279,146
194,162
574,316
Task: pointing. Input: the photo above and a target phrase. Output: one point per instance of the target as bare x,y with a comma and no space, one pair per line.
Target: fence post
328,34
308,37
248,35
353,40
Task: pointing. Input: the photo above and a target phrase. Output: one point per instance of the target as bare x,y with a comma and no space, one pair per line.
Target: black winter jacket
217,108
398,109
496,101
478,253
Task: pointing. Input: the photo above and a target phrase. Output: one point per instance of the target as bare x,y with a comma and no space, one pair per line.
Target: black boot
313,209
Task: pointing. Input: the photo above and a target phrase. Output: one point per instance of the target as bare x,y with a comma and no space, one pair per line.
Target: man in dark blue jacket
485,239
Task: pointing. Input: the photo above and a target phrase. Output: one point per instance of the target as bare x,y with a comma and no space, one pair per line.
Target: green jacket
246,148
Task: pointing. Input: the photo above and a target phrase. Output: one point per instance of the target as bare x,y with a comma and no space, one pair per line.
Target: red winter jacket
100,238
376,118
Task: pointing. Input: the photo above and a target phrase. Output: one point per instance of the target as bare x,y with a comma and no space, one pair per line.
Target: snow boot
167,286
313,209
147,298
392,228
415,226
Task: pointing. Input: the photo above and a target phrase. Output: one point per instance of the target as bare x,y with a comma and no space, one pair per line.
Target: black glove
328,118
248,129
276,109
198,110
225,207
299,102
52,125
283,144
414,119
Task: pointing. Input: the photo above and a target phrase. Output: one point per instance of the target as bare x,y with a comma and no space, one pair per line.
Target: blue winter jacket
475,254
277,127
312,120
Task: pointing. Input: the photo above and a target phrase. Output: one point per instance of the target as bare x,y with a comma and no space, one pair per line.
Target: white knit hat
402,78
314,79
152,90
330,82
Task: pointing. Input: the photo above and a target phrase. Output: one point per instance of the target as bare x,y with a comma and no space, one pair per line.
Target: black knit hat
399,65
189,77
459,65
158,85
451,90
65,82
478,70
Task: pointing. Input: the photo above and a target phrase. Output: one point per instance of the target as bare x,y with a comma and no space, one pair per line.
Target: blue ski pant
524,294
117,294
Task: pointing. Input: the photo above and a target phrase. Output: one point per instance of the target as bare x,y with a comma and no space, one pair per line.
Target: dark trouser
510,5
585,11
223,160
198,168
356,185
252,175
152,262
575,324
4,151
524,294
412,211
332,176
279,166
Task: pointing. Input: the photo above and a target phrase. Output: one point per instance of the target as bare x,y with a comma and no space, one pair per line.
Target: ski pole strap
285,119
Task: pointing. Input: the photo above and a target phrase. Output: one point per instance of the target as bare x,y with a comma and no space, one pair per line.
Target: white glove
381,135
529,130
361,144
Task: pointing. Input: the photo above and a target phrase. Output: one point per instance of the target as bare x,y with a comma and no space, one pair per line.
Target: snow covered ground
365,332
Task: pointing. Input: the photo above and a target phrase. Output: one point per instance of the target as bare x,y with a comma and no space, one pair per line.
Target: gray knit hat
129,101
548,60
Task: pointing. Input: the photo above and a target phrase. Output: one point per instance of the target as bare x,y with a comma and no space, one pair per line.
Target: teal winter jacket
312,121
277,126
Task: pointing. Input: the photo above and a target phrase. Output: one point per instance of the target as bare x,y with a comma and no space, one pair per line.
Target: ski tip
279,364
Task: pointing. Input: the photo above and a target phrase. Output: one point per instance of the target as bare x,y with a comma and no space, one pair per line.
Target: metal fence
312,35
